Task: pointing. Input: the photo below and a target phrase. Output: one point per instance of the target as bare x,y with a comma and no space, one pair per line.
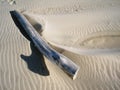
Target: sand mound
71,32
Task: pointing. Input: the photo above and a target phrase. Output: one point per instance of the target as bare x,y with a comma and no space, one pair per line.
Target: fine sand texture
75,28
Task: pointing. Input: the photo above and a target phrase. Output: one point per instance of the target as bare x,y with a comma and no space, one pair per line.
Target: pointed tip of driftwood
75,75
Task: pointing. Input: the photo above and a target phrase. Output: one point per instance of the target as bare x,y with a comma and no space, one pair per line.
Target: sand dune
22,67
99,32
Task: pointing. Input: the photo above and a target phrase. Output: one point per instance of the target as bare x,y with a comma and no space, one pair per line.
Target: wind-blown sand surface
95,25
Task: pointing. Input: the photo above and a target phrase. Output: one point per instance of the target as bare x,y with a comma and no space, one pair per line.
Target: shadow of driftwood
35,24
35,61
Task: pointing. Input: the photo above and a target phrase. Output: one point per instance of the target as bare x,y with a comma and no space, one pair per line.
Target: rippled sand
73,25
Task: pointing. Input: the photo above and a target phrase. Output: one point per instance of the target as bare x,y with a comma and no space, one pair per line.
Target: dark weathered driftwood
63,62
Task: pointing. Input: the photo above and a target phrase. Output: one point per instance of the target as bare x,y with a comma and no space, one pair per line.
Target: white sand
84,24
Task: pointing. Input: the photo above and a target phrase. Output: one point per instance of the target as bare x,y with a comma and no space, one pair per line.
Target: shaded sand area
95,25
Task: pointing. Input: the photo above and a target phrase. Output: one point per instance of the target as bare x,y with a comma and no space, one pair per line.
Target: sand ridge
70,32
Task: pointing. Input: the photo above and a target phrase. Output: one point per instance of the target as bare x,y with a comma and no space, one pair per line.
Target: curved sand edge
101,42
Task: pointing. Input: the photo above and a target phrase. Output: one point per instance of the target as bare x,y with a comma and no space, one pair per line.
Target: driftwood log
63,62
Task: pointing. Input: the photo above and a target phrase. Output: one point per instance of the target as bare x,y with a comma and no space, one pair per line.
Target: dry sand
73,25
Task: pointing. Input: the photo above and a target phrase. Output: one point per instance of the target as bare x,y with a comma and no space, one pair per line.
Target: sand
71,25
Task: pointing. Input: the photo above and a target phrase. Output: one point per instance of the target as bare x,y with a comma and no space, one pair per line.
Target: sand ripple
100,72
